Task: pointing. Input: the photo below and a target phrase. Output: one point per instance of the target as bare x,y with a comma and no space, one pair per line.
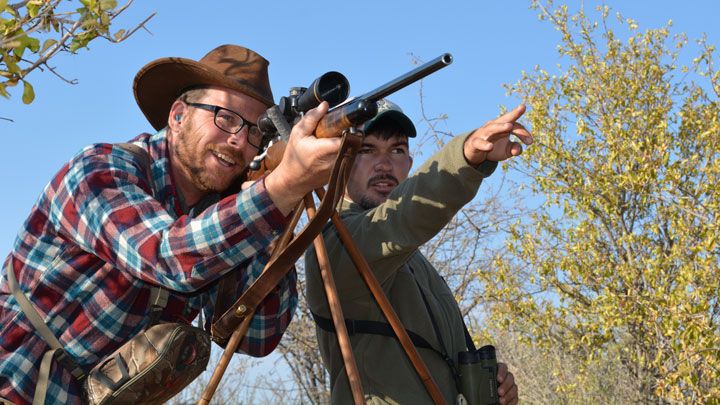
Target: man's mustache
385,176
234,153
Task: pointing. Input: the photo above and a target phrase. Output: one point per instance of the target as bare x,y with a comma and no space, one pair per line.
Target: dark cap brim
401,119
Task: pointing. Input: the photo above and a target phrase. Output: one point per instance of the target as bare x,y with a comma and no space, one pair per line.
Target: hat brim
157,86
401,119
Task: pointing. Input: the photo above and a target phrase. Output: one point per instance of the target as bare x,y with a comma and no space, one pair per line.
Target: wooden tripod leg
336,310
385,305
387,309
239,333
233,343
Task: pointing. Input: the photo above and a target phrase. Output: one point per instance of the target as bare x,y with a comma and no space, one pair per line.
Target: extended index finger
512,115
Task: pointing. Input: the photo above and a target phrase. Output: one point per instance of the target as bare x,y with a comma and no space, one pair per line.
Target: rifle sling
278,267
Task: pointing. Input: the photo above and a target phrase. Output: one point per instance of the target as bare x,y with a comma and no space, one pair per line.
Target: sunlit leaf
47,44
28,93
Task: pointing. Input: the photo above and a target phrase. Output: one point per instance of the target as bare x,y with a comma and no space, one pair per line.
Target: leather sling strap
279,266
46,334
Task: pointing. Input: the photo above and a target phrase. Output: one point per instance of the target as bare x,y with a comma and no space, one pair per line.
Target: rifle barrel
409,78
365,107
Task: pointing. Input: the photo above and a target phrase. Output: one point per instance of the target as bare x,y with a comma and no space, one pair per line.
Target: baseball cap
389,110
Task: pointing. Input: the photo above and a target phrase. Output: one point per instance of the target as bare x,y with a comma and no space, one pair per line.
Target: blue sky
370,42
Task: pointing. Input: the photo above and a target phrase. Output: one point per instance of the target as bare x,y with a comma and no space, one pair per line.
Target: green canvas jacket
389,236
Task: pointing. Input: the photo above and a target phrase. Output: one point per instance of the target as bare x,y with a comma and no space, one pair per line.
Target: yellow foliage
625,253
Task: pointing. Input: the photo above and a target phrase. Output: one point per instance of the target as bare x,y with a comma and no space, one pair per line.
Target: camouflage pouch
150,368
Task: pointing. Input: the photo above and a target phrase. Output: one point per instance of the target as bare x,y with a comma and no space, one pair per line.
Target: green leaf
33,9
12,67
9,10
33,44
28,93
107,4
47,44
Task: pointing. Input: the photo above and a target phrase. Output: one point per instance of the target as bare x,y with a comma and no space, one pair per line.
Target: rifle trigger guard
353,131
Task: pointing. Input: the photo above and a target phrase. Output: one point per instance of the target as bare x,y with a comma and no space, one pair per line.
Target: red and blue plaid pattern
96,240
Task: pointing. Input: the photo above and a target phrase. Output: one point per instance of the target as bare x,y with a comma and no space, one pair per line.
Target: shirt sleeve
104,205
412,214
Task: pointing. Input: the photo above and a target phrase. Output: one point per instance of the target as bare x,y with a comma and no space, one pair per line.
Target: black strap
445,355
371,327
468,339
107,381
354,326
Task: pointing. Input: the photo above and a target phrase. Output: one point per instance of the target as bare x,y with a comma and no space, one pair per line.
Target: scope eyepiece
332,87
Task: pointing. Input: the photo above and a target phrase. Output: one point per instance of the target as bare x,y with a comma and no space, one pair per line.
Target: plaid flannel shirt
95,241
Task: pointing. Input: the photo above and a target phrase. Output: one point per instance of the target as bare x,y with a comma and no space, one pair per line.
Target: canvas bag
151,367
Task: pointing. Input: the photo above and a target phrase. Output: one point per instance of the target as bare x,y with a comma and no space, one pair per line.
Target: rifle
340,121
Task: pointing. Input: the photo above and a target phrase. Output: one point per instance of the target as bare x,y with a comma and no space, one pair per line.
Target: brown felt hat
158,84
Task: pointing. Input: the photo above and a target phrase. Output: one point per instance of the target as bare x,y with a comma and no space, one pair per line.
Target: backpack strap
355,326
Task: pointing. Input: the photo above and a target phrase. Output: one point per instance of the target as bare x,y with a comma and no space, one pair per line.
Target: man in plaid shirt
105,229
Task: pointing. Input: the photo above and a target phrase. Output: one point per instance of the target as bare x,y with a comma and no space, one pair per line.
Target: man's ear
175,118
410,166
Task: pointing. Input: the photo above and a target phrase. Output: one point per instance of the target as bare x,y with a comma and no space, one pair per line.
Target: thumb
308,123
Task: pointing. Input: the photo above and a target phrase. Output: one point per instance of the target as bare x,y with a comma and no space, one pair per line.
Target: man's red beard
191,161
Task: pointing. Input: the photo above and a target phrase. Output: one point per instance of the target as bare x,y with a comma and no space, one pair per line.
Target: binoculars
478,376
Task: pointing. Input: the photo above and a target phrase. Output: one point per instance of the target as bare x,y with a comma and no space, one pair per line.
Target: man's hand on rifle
306,164
492,140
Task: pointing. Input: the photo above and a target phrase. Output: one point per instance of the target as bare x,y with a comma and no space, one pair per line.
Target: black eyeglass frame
215,108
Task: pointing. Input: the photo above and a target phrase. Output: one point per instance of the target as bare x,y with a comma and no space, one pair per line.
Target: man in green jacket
390,215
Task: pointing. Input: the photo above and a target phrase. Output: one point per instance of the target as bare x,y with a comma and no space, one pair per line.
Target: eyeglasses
232,123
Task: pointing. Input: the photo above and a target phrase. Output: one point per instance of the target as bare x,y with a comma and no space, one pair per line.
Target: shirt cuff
487,167
272,216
